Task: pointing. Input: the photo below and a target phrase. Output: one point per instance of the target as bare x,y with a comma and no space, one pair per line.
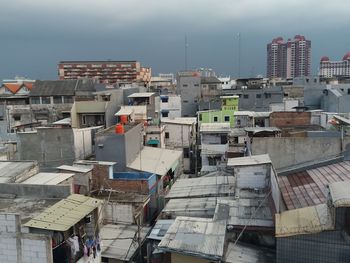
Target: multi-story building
188,87
214,145
226,114
289,59
329,69
105,71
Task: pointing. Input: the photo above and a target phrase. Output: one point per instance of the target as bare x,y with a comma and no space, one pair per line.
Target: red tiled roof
309,187
13,87
29,85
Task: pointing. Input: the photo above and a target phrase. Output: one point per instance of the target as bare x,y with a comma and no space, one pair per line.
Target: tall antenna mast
239,54
186,46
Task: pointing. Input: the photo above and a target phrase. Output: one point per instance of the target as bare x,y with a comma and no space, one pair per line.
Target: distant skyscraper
329,69
289,59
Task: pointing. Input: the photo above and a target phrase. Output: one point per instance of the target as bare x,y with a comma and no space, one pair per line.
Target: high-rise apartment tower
289,59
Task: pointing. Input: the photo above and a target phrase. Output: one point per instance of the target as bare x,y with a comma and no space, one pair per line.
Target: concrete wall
37,191
254,176
116,100
115,212
22,247
179,135
286,152
51,147
133,143
189,89
257,99
83,143
120,148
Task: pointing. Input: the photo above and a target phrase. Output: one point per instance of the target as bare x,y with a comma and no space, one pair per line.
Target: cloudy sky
36,34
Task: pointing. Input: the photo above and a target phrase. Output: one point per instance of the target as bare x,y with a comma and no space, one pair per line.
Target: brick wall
100,180
22,247
290,119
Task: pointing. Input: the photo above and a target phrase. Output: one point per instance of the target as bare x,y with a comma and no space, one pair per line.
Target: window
185,101
35,100
245,96
215,119
223,139
57,99
200,117
165,99
196,85
258,96
165,114
184,85
68,99
17,117
186,152
285,94
45,100
267,95
166,135
227,118
212,86
348,91
214,160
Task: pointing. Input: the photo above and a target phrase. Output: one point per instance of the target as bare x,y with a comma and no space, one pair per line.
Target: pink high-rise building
289,59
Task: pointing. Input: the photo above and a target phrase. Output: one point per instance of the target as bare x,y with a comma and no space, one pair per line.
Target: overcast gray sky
36,34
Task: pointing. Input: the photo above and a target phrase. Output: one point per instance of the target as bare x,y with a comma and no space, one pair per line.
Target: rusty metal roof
309,187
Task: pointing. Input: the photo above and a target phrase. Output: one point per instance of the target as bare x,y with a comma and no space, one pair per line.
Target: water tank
119,128
124,119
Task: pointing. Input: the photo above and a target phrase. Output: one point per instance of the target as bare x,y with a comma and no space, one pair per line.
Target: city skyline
37,35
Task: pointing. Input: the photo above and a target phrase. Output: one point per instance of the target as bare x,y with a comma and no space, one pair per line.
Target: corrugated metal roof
255,114
340,194
215,127
342,119
247,253
48,178
193,207
182,120
65,214
202,187
155,160
309,187
124,111
199,237
245,212
141,95
160,228
302,221
60,87
261,129
65,121
74,168
117,239
9,171
249,160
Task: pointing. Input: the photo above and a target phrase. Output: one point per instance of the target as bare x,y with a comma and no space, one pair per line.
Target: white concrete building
214,145
170,106
180,133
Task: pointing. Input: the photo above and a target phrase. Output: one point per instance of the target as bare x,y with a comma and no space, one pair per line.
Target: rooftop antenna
186,46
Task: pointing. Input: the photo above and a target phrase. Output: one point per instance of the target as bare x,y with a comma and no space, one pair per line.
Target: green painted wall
229,106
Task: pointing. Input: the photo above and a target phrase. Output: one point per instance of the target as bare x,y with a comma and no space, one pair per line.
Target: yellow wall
179,258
